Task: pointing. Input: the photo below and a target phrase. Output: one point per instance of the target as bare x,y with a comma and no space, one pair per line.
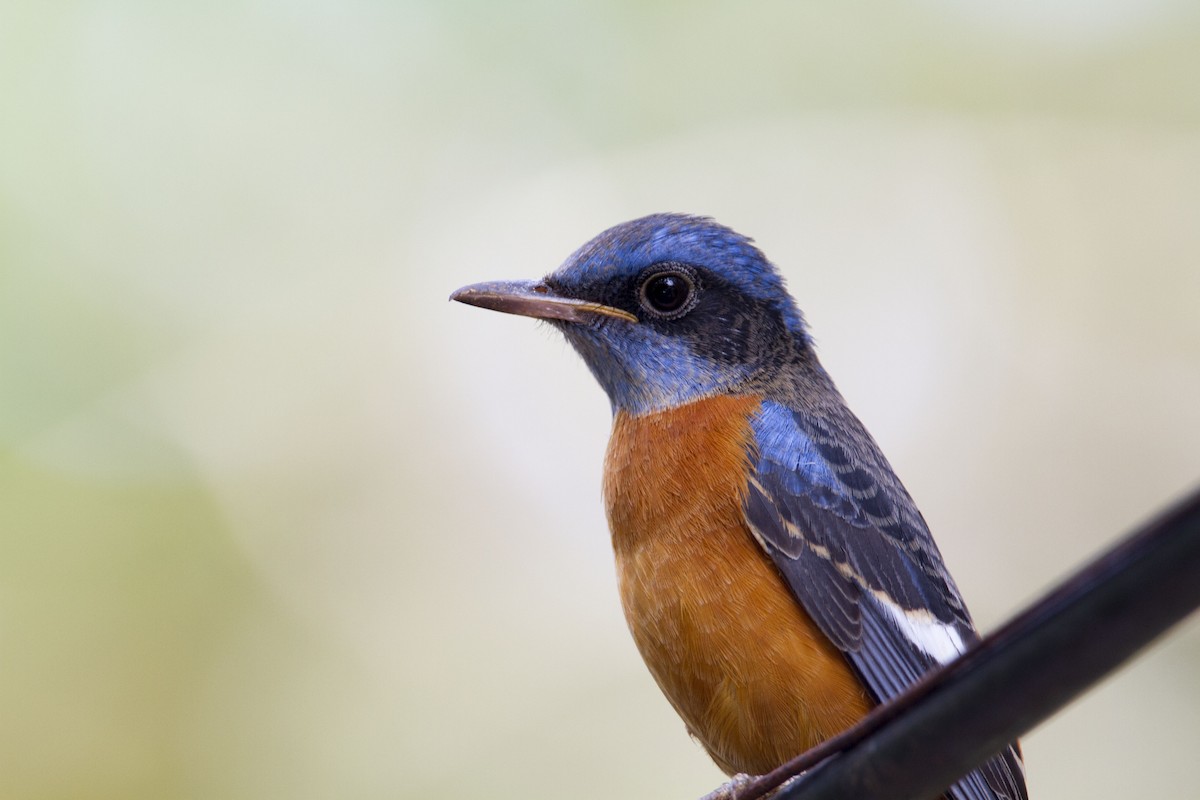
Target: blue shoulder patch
787,451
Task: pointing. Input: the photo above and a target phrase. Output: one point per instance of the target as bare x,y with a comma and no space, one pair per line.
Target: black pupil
667,292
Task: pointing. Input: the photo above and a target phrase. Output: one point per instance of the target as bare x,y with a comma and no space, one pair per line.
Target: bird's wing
844,533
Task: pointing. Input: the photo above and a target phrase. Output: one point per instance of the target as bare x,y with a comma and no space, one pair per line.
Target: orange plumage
753,678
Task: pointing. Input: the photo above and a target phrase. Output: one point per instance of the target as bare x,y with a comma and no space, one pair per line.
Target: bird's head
665,309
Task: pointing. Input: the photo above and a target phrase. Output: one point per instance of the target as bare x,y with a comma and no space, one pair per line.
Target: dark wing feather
844,533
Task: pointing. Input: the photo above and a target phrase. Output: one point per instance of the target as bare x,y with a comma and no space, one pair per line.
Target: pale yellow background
278,521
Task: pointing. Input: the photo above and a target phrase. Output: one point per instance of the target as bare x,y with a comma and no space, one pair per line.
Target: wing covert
852,546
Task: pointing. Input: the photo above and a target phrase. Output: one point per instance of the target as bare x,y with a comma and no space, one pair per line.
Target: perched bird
777,577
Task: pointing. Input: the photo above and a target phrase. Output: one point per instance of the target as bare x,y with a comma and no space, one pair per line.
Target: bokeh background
279,521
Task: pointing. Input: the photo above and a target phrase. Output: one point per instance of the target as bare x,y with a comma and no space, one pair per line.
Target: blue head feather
648,366
634,245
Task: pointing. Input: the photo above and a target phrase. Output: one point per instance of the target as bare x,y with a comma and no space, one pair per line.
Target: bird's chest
674,483
715,623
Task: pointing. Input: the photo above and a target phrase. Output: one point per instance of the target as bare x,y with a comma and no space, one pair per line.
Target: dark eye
668,293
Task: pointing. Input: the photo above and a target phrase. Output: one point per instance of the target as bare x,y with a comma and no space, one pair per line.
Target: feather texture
826,506
753,677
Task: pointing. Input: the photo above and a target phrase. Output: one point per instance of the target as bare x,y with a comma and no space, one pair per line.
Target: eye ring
668,292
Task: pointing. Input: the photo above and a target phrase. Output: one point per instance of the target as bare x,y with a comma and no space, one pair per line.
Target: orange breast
753,678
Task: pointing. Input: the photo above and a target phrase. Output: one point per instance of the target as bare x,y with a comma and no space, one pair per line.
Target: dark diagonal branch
961,715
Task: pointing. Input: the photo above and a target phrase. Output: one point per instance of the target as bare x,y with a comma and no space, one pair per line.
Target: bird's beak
535,299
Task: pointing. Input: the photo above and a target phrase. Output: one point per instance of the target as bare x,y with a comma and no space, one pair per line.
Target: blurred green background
278,521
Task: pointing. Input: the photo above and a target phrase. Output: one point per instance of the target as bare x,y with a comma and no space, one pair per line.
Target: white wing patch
939,640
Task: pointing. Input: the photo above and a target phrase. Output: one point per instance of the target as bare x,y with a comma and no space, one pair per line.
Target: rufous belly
753,678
